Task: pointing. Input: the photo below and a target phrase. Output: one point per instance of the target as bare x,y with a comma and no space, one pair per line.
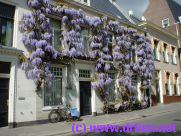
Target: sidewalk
65,128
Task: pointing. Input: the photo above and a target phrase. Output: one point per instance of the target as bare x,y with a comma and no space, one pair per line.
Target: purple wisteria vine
113,47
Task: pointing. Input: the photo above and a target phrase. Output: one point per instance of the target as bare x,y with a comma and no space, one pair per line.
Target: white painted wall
20,86
95,101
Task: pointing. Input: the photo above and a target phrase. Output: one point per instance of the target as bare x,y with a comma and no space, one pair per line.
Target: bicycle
63,113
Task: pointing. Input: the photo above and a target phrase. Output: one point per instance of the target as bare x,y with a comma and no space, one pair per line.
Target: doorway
85,98
4,92
157,91
4,95
148,96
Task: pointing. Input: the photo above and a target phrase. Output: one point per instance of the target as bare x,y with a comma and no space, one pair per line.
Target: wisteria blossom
112,46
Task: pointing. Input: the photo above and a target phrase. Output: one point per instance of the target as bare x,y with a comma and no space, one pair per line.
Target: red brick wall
154,100
171,99
157,11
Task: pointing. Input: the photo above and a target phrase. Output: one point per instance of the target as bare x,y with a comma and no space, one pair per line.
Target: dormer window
179,18
165,23
86,2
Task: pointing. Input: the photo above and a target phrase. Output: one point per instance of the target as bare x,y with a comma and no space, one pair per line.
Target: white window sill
49,108
177,95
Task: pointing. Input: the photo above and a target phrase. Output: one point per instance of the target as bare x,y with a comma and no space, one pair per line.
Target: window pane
179,18
84,73
6,31
111,91
5,67
56,30
56,39
53,94
155,51
167,88
58,92
85,37
85,1
165,23
7,11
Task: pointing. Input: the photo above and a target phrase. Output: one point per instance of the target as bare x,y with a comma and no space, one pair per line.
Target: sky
137,6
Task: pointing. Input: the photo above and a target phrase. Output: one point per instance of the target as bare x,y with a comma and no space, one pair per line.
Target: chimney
112,1
143,18
130,12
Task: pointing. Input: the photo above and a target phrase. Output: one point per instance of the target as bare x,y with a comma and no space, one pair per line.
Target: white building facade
20,103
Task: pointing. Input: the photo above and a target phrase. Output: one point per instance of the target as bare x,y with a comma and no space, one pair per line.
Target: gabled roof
107,7
142,23
175,7
135,19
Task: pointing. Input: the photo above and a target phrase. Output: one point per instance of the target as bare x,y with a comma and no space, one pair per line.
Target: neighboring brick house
166,14
166,87
166,83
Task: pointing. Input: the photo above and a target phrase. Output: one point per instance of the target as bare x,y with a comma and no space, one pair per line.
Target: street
166,118
161,114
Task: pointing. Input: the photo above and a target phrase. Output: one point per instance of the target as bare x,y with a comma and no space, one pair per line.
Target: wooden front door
4,91
85,98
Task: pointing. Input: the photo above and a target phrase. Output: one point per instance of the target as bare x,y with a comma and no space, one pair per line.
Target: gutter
158,28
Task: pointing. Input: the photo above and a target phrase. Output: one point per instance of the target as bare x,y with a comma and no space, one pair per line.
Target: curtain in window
6,24
85,36
6,32
9,33
56,31
111,91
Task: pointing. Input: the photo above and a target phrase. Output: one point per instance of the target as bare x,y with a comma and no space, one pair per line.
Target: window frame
112,75
84,73
163,25
111,43
156,51
176,84
83,2
86,47
179,18
12,37
53,28
174,58
165,53
57,77
168,84
157,80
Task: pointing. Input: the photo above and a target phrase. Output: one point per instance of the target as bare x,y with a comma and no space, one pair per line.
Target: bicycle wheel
54,116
